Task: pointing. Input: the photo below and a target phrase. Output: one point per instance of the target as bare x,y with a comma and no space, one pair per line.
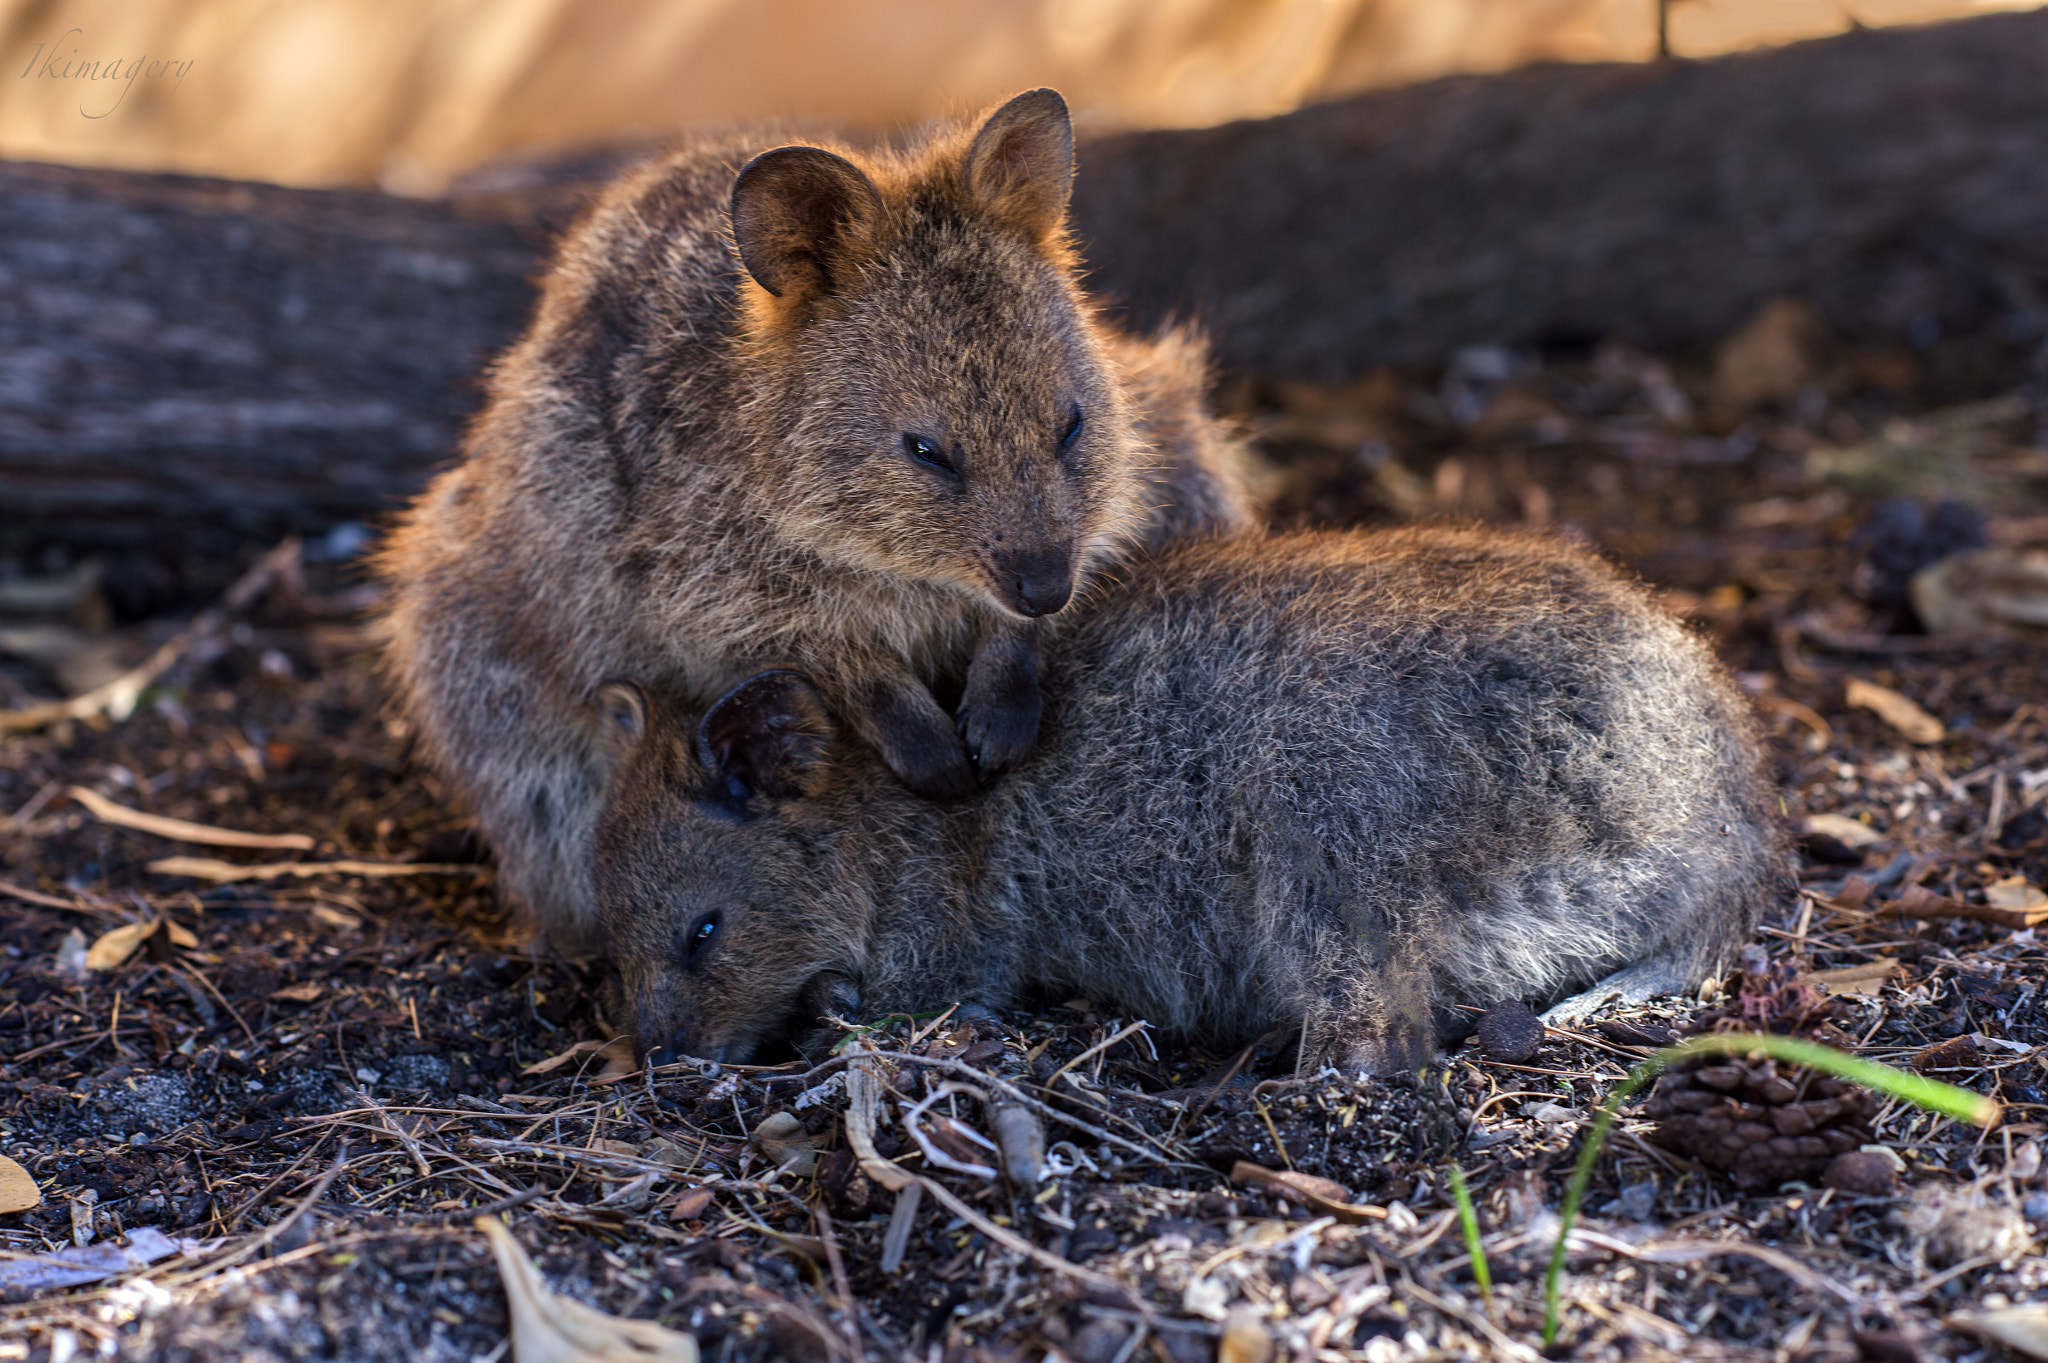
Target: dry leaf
89,1264
1920,902
786,1144
180,830
2024,1328
551,1329
301,993
18,1191
221,872
1771,357
1843,829
112,949
1245,1339
555,1062
2014,893
1984,591
1914,724
619,1061
691,1204
1327,1196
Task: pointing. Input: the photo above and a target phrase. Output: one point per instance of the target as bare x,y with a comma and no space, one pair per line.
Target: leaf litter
322,1071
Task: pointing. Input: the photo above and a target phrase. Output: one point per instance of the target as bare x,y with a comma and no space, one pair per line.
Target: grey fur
1352,779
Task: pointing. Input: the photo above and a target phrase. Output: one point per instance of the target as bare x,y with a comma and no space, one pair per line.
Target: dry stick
233,1012
183,830
902,1217
285,1222
404,1137
117,698
1094,1051
847,1324
1044,1108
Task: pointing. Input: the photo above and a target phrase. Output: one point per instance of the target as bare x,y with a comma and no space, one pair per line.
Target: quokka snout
1353,781
844,411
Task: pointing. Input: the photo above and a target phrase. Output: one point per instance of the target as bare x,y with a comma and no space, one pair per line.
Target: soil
319,1087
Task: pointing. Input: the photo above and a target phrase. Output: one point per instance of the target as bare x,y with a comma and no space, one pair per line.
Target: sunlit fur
1354,779
679,480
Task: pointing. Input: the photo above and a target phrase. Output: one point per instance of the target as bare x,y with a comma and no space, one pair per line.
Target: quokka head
927,362
729,921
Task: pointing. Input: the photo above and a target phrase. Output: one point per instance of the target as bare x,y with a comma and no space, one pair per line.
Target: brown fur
1352,780
689,470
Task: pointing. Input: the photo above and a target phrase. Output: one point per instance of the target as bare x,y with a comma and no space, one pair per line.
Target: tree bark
1896,177
208,363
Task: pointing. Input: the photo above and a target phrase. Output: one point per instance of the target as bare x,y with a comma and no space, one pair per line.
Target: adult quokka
802,407
1354,780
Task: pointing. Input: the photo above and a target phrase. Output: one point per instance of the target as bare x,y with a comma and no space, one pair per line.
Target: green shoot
1468,1223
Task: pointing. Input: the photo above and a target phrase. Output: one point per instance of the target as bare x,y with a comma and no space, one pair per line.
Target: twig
117,698
183,830
1095,1050
223,872
848,1324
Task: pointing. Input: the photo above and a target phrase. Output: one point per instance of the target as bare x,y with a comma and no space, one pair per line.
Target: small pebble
1510,1032
1865,1173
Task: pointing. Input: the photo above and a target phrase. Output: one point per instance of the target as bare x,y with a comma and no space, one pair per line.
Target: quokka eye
926,451
1070,432
702,933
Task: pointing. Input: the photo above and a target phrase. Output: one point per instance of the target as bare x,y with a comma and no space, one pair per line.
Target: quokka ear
766,735
1021,166
622,716
795,210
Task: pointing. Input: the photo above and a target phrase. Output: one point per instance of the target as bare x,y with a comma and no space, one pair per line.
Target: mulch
322,1085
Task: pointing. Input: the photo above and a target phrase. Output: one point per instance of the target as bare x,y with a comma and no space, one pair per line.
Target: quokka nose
1039,583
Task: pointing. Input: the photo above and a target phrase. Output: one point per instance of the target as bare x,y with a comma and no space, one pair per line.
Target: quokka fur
1352,780
797,407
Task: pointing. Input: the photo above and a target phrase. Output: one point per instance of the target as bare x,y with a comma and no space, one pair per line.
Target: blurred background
408,94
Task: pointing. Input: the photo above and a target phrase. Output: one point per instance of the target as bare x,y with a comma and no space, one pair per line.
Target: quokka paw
936,770
999,735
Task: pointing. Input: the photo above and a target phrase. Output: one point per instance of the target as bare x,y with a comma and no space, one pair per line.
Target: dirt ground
318,1080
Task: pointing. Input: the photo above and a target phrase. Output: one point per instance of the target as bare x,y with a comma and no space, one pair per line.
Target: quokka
797,407
1351,780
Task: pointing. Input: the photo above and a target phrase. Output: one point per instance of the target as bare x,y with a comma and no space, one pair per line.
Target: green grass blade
1468,1223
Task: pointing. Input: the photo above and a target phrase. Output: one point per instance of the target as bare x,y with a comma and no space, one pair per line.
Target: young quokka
1351,780
794,407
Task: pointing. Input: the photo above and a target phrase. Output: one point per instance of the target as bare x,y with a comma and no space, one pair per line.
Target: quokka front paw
1000,733
915,737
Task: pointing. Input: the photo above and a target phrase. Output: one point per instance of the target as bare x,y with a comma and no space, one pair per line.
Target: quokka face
720,931
949,415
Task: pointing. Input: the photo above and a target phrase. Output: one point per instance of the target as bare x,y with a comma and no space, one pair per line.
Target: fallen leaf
18,1191
2024,1328
555,1062
182,831
71,955
1998,590
2014,893
222,872
690,1205
1913,724
619,1061
551,1329
1325,1195
112,949
301,993
1920,902
1843,829
1245,1339
786,1144
89,1264
1770,357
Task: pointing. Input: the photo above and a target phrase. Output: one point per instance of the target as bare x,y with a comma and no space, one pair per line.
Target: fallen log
203,365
